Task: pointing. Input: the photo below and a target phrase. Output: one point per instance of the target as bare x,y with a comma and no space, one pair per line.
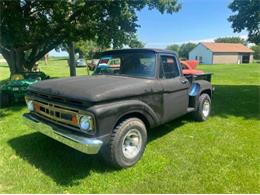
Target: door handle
183,81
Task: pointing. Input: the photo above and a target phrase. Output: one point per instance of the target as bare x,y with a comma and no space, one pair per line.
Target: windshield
130,64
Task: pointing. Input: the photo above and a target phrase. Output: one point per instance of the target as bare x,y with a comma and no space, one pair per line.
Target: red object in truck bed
189,67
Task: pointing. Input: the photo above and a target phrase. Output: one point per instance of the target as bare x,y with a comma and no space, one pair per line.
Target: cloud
201,40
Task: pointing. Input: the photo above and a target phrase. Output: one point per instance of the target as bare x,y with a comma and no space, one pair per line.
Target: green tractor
14,90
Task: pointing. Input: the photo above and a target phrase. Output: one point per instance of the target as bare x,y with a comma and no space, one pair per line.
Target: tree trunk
72,64
15,60
46,56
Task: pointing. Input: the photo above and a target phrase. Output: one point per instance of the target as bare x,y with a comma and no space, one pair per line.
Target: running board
190,109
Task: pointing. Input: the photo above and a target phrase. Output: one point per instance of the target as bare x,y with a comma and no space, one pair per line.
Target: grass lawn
221,155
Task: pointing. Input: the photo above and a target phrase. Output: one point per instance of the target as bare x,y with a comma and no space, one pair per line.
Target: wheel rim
206,108
132,143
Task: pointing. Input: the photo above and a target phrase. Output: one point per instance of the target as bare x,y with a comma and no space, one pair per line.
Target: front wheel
204,108
127,144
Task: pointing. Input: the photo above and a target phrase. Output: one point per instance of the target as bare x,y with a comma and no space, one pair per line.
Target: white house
221,53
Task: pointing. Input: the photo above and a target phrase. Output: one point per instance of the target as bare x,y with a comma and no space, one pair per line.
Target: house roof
227,47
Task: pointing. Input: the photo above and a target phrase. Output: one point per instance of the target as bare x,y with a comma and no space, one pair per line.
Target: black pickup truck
131,91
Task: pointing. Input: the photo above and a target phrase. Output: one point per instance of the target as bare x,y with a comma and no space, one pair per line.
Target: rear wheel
4,100
127,143
204,108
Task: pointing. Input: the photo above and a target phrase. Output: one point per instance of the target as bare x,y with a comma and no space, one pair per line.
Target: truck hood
96,88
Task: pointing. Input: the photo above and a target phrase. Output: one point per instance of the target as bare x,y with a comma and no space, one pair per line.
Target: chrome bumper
80,143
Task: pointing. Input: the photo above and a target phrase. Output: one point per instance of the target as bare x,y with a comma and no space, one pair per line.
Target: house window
246,58
200,59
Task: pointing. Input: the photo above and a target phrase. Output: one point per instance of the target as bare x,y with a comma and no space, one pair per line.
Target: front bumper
78,142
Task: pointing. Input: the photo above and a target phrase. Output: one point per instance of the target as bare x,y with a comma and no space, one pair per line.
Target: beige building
221,53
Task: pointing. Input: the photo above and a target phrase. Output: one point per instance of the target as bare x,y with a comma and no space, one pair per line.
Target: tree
87,48
39,26
173,47
72,61
135,43
230,40
185,49
247,17
46,58
256,49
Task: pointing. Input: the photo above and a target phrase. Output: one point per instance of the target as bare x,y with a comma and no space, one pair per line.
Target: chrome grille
57,113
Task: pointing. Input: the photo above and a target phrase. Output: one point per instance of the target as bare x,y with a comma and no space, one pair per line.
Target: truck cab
131,91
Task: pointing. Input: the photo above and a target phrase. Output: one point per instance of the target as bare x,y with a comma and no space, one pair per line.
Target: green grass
221,155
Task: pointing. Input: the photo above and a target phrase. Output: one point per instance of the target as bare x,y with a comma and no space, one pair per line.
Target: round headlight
85,123
30,105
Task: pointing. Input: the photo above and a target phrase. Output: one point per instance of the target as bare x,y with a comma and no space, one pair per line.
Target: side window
169,68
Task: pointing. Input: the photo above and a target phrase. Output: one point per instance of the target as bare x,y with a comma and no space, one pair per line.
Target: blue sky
198,20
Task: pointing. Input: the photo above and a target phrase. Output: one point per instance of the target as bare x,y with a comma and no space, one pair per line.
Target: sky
197,21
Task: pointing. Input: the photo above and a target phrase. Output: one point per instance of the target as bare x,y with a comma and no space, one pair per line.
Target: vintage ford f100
131,91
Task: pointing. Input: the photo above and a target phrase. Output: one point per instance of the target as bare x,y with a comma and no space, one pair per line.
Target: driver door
175,88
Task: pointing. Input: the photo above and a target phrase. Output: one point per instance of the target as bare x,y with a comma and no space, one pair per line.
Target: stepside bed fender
197,88
107,115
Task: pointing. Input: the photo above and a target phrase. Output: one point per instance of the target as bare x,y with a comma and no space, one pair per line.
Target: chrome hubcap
132,144
206,108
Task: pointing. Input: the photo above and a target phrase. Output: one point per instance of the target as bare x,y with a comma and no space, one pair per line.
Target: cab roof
109,52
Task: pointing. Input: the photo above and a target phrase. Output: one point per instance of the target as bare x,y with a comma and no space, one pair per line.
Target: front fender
108,114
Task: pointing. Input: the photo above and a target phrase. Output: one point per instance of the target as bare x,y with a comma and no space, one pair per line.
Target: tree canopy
30,29
135,43
183,49
230,40
87,48
173,47
246,17
256,49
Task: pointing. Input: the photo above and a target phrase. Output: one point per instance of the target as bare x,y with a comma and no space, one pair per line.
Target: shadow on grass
163,130
63,164
5,112
67,166
237,100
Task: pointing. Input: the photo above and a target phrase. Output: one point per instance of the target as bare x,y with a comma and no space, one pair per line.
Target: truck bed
195,77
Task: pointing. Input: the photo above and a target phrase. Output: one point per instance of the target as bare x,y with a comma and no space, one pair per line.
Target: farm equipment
14,90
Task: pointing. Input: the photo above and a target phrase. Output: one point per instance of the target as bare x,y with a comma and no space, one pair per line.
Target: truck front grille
57,114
